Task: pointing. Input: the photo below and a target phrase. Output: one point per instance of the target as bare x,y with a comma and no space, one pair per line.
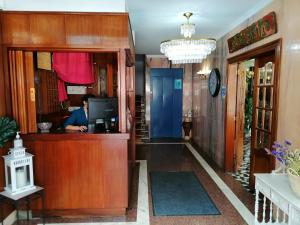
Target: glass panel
259,139
259,118
8,176
262,139
266,139
269,70
268,119
27,174
269,97
260,100
262,75
20,176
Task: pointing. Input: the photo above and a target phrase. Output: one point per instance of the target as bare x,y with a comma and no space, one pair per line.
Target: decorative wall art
259,30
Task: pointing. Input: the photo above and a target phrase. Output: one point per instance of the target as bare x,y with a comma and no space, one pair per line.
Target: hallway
178,157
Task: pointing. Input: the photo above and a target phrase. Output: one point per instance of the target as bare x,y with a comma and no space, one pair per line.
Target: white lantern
18,169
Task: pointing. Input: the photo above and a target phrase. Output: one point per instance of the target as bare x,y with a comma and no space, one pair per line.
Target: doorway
252,78
244,115
166,103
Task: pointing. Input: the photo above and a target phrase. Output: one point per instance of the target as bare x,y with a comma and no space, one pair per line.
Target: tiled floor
174,157
243,173
163,157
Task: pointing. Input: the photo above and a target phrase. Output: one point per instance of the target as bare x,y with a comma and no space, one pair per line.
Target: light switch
32,94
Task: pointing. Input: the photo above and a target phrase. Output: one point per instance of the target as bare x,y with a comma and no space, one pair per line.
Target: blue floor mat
179,194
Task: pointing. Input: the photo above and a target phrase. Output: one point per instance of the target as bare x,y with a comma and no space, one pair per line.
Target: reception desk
82,173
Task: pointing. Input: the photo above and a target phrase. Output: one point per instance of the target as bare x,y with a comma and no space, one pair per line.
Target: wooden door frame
229,141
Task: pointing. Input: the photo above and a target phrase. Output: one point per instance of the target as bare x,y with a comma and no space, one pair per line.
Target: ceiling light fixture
187,49
187,29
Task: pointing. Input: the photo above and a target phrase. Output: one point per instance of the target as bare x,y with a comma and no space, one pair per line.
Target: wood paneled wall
208,111
81,173
2,84
47,92
22,89
66,30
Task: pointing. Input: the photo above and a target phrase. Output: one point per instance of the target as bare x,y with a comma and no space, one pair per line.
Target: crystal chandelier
187,29
187,49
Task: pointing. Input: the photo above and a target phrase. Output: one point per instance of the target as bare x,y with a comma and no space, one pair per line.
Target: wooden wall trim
21,73
13,85
230,117
75,136
110,78
122,91
30,92
2,82
7,78
21,91
255,52
272,46
65,13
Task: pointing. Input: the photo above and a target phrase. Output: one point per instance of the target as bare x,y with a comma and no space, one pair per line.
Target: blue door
166,103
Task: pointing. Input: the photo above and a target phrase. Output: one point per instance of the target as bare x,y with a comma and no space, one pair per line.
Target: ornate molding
257,31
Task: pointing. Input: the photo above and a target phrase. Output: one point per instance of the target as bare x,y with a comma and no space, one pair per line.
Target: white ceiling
156,20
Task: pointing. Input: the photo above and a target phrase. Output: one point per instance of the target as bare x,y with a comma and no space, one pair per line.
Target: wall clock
214,82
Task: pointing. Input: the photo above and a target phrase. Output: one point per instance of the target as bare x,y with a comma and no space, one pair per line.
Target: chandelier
187,49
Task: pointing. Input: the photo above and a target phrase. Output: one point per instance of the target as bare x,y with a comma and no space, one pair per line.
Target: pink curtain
75,68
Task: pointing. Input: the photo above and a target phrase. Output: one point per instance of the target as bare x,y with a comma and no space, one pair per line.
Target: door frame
230,123
151,96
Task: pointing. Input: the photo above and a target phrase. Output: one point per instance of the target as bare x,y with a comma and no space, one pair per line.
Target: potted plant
8,129
290,160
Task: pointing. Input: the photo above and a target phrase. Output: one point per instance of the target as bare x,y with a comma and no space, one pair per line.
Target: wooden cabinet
81,173
277,194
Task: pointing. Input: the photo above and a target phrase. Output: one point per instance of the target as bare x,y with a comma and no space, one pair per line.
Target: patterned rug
242,175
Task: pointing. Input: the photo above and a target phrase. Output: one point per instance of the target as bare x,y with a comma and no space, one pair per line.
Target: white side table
284,204
17,199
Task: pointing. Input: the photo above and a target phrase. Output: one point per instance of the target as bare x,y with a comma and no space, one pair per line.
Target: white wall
288,19
65,5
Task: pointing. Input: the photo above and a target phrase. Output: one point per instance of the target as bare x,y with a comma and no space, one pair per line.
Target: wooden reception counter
82,173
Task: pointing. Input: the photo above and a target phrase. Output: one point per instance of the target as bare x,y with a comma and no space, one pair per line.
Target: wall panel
65,30
15,29
52,25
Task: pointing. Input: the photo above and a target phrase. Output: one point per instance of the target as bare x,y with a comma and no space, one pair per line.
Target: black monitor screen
102,108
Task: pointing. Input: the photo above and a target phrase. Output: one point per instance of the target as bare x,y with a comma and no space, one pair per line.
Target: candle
20,177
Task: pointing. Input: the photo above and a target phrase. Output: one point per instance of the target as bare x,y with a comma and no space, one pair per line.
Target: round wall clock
214,82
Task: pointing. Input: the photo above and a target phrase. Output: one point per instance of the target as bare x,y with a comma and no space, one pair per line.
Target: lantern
18,169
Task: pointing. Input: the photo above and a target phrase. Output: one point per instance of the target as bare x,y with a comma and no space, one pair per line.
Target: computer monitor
102,111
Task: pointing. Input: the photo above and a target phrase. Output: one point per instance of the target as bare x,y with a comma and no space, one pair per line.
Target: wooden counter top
75,135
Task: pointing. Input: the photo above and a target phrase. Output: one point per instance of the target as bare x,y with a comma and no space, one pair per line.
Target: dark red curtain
75,68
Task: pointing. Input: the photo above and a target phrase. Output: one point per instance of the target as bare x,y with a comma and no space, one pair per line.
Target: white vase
294,182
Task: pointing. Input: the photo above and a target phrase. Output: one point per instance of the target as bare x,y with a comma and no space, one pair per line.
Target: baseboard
11,218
